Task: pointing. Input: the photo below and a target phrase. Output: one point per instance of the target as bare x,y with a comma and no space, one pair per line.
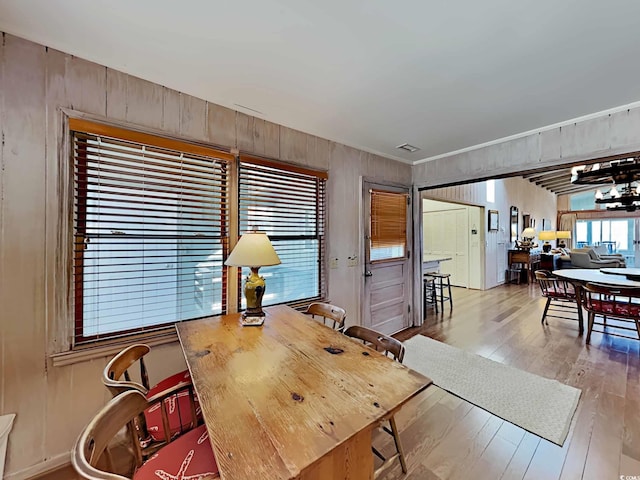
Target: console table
530,261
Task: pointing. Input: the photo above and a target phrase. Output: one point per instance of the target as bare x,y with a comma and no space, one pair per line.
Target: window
288,204
583,201
388,225
150,229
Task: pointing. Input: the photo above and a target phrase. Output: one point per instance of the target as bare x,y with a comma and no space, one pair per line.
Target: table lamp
547,235
561,235
253,250
528,234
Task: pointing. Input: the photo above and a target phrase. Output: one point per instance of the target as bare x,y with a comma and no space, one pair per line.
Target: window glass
288,204
150,234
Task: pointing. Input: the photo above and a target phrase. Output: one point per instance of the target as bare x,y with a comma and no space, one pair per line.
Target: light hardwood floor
447,438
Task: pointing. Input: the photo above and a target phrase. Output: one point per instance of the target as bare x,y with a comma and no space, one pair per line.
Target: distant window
583,201
150,229
491,191
289,205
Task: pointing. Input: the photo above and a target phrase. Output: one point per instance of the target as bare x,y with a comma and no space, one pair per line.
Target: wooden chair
328,312
620,304
385,345
189,456
561,295
178,412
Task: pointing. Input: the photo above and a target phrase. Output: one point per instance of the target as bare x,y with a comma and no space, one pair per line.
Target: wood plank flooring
447,438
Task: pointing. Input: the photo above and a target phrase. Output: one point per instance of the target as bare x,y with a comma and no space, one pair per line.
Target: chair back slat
121,411
118,367
326,311
378,341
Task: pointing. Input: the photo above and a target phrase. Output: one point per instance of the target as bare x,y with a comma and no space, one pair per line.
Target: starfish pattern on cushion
182,470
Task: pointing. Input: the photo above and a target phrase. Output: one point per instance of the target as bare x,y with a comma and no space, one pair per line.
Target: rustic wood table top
278,398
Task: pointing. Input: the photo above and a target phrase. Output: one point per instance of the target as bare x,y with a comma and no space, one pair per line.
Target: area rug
541,406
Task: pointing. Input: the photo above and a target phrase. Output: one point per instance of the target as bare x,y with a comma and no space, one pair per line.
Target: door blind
289,205
151,231
388,225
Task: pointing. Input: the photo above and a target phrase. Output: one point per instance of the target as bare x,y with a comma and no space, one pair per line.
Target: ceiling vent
408,148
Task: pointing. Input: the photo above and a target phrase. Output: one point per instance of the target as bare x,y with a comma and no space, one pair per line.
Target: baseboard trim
40,469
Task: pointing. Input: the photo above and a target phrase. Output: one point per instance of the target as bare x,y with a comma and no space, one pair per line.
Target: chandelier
622,174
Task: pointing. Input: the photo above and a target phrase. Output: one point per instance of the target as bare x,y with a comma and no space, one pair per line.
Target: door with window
387,297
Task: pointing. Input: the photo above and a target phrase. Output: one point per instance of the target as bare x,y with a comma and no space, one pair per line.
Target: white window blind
289,205
151,231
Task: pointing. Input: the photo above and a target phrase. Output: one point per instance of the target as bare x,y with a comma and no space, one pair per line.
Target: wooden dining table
292,399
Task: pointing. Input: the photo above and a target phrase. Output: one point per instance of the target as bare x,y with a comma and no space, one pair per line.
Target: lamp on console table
253,250
527,243
547,235
562,235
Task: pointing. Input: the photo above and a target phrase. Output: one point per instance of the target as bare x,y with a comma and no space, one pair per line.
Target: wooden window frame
79,235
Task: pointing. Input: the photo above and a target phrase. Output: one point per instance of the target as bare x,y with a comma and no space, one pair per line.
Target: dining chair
163,420
328,312
561,297
385,345
189,456
618,303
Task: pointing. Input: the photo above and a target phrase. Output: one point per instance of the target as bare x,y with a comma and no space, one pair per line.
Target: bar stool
439,283
429,292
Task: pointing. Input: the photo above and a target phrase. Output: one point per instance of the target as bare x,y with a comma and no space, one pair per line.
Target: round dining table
582,276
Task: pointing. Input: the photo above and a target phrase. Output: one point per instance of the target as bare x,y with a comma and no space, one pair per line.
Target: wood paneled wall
53,403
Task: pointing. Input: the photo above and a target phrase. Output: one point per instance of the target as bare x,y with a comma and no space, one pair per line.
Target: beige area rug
541,406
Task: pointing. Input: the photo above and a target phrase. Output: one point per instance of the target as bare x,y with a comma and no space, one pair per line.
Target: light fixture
253,250
562,235
547,235
528,234
623,173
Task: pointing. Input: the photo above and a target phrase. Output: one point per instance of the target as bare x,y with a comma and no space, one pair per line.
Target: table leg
578,289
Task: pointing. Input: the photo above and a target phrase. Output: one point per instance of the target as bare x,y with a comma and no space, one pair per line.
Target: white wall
516,191
54,402
475,241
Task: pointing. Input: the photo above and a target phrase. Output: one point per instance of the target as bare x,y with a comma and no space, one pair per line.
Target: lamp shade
563,234
253,250
529,232
547,235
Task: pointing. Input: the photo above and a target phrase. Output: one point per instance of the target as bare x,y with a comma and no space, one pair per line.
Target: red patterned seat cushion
178,408
607,307
187,457
560,291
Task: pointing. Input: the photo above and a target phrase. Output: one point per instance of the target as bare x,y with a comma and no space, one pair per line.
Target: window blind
388,225
151,231
289,205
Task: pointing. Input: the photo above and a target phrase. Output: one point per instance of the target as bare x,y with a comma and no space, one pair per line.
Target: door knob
368,273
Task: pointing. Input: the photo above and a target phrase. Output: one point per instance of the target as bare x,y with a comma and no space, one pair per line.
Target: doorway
452,230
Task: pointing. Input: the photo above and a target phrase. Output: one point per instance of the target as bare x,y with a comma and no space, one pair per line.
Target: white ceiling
441,75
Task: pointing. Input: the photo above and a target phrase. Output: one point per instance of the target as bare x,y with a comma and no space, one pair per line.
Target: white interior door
387,270
446,234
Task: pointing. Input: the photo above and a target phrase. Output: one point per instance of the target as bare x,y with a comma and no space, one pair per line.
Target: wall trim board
108,350
40,469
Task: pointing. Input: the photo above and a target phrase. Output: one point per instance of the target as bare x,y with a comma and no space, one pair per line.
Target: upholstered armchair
588,258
